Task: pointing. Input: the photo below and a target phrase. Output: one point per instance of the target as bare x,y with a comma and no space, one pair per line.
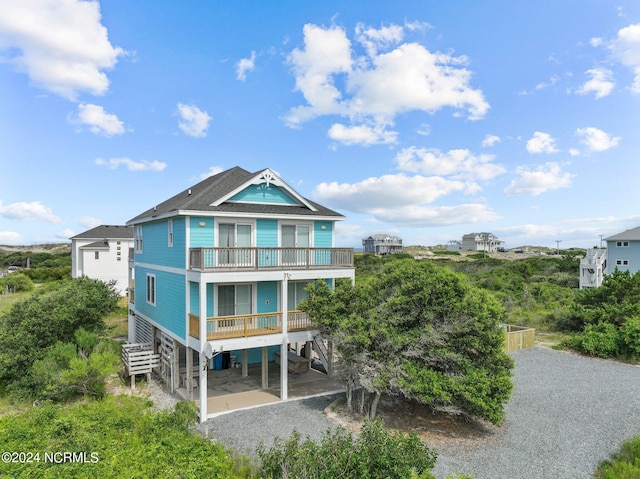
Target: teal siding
267,291
262,194
170,308
266,233
155,244
210,310
201,236
255,354
323,238
194,298
267,237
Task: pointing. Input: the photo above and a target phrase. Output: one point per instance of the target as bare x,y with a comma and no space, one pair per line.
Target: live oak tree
421,332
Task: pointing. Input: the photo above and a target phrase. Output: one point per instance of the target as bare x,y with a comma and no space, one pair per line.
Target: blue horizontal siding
201,236
155,244
170,308
263,194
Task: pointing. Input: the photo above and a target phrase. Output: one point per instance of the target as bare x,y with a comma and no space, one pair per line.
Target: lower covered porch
228,390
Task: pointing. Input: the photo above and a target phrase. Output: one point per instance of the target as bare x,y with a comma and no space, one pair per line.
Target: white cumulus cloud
28,211
459,163
131,165
403,199
364,135
490,140
601,83
245,65
387,79
626,49
193,121
61,46
544,178
97,120
541,143
596,140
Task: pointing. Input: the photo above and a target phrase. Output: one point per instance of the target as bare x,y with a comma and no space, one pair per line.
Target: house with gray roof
218,271
102,253
382,244
623,251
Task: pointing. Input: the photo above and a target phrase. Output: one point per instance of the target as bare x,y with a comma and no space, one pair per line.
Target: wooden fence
139,358
518,337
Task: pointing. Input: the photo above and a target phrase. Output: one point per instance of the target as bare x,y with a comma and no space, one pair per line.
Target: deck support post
284,347
189,374
245,363
265,367
204,366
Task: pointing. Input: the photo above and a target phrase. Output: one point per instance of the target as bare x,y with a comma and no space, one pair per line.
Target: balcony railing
245,325
206,259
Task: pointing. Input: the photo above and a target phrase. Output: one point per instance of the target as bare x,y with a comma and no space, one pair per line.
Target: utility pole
601,240
558,245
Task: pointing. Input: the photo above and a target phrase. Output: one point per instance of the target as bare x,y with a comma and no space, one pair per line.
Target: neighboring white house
102,253
593,267
382,244
481,242
622,252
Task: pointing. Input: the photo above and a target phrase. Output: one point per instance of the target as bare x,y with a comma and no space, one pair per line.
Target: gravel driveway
567,414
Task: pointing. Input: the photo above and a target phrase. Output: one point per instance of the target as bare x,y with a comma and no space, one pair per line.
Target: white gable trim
265,176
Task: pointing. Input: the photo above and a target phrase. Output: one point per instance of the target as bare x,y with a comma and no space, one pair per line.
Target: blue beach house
218,270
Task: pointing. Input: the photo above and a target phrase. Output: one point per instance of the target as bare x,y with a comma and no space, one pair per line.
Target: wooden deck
246,325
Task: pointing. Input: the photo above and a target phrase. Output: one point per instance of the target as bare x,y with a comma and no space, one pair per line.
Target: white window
151,289
97,255
170,232
233,300
138,239
296,293
622,262
623,244
234,243
295,241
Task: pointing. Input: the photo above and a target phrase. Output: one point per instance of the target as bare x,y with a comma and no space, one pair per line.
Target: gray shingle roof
106,232
199,197
628,235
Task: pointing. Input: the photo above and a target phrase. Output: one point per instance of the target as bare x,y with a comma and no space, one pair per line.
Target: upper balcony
231,259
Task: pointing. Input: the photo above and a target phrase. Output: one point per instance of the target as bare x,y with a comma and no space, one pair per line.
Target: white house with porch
101,253
218,270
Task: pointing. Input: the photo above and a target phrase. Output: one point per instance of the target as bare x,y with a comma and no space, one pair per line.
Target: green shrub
121,437
16,282
623,465
631,336
55,312
376,453
602,340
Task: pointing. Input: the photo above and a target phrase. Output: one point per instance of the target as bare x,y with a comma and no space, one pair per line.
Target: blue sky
427,120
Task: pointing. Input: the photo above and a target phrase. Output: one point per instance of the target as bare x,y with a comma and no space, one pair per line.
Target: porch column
189,374
204,363
175,366
245,363
265,367
284,347
204,366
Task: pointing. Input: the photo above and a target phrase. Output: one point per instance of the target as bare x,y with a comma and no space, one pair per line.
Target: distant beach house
382,244
102,253
218,271
481,242
622,252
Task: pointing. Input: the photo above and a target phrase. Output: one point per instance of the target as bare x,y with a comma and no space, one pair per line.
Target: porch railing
269,258
245,325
